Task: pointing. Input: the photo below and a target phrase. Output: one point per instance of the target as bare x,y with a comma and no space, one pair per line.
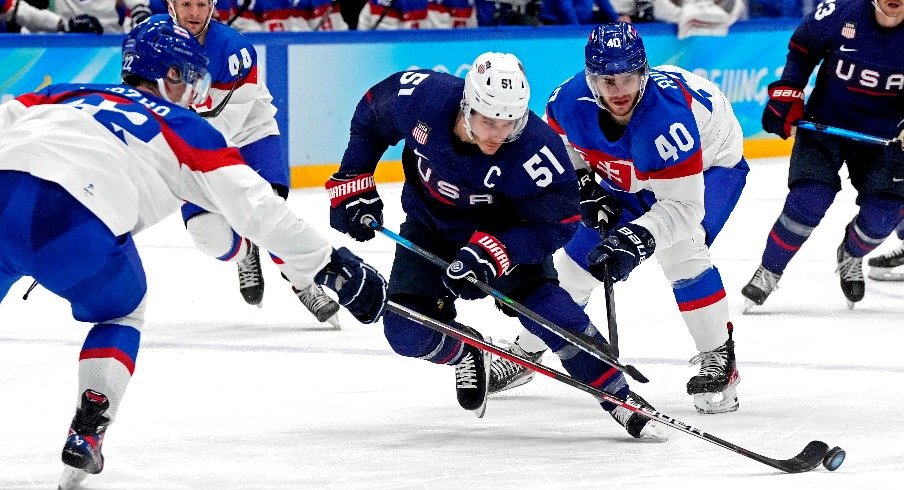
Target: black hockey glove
81,24
784,108
352,198
623,250
140,13
483,258
599,209
361,289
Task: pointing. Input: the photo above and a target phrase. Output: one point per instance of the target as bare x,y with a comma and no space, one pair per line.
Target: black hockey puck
833,458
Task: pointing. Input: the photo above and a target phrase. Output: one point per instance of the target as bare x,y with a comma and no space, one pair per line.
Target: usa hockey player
488,188
241,108
85,167
668,150
859,86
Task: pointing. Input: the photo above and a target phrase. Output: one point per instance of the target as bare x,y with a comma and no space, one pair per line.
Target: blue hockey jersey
526,194
860,85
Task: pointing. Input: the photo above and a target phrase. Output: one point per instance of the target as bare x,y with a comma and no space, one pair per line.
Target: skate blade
334,321
748,306
260,305
712,403
487,362
514,384
71,478
884,274
653,432
850,304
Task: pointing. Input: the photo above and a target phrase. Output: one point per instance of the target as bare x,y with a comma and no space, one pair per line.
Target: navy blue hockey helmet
153,47
614,49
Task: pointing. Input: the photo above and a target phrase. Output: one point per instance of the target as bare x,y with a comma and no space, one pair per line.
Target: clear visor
517,129
200,83
636,79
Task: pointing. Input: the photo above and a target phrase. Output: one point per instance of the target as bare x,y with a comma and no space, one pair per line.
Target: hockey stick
813,454
846,133
585,344
610,312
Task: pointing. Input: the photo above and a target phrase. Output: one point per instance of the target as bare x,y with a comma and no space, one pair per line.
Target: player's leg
416,283
700,295
105,285
723,187
813,182
890,265
535,286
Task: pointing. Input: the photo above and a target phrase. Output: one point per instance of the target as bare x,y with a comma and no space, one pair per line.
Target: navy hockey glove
784,108
622,251
599,209
361,289
81,24
352,198
139,14
483,258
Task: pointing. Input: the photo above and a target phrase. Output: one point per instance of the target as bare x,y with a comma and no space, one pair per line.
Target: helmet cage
496,87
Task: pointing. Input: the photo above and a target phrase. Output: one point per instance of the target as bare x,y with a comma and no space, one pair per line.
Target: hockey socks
805,206
879,215
107,361
704,308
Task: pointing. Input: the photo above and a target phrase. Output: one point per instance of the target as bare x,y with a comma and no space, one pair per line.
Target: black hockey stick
610,312
587,345
813,454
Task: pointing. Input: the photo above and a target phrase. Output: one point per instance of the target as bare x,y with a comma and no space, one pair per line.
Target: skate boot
82,451
319,304
637,425
880,267
505,374
850,271
714,386
472,376
759,288
251,277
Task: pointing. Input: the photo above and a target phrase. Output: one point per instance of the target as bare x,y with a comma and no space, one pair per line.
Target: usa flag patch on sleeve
420,133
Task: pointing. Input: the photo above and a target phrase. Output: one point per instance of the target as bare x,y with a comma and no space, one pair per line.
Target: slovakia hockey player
668,150
860,87
241,108
85,167
488,188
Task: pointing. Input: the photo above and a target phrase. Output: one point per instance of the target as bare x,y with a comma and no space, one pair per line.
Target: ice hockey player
667,149
890,266
240,106
85,167
860,87
489,189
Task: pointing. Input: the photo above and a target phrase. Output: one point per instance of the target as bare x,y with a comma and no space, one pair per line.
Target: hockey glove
81,24
361,289
140,13
483,258
352,198
784,108
599,209
623,250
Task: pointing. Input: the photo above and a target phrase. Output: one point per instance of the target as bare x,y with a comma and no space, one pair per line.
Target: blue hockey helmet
614,49
153,47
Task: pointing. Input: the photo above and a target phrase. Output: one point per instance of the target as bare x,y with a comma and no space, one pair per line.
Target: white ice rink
230,396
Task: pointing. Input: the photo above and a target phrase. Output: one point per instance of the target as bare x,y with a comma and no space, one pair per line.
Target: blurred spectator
282,15
573,12
700,17
508,12
19,13
393,14
777,8
451,14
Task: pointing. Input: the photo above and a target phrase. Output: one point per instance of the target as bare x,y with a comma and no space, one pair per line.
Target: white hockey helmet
496,87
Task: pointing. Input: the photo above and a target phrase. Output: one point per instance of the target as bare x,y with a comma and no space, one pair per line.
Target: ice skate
714,386
324,308
472,377
850,272
82,451
251,277
505,374
637,425
881,267
759,288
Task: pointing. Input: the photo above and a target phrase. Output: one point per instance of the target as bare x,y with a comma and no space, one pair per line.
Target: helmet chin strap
879,9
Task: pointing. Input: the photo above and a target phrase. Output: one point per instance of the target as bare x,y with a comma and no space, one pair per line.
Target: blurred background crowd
693,17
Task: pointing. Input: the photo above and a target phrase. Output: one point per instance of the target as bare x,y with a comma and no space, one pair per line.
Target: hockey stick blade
588,345
808,459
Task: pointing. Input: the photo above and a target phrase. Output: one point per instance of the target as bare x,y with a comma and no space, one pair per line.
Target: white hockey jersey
132,158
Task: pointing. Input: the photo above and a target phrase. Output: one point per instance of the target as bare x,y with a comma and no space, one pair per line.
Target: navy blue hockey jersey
860,85
526,194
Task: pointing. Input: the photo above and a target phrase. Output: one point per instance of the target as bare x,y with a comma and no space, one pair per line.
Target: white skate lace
850,268
249,270
765,280
712,363
315,300
466,372
504,369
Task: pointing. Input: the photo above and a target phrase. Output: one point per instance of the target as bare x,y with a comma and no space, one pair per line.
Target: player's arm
676,178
